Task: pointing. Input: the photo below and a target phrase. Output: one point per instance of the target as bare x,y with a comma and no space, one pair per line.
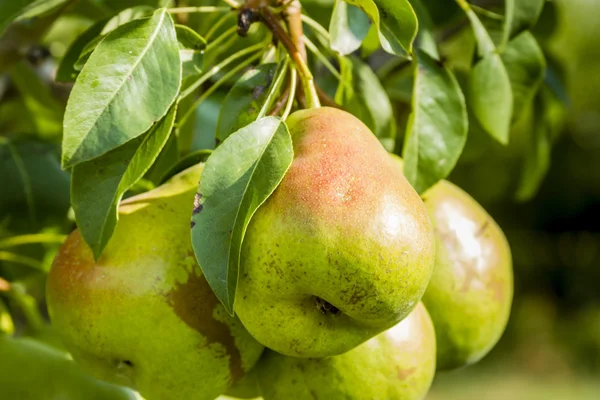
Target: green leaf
426,35
437,128
485,43
520,16
188,38
7,326
348,27
41,7
550,115
396,21
43,108
361,93
525,65
245,99
86,52
31,181
66,71
192,62
10,10
98,185
237,178
129,82
490,96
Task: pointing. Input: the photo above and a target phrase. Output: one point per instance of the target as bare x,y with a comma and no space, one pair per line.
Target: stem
31,239
276,86
224,36
316,26
292,95
188,10
282,101
217,84
306,77
217,25
311,46
294,20
217,68
28,305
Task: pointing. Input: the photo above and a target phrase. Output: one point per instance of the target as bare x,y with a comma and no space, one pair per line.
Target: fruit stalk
298,54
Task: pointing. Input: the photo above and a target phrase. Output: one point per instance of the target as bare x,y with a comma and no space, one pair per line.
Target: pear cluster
351,286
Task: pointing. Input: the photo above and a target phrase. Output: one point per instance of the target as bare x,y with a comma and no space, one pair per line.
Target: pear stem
294,44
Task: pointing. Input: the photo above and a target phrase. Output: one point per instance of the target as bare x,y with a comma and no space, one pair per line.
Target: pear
30,370
470,293
143,315
342,250
398,364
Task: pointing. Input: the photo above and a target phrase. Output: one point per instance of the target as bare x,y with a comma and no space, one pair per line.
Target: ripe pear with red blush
143,315
341,251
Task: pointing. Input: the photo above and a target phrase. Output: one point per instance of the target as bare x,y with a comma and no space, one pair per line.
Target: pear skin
143,315
398,364
342,250
470,293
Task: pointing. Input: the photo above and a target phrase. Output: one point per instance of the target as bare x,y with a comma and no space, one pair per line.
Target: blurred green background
551,348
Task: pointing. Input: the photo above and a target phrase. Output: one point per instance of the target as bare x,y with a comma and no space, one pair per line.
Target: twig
312,100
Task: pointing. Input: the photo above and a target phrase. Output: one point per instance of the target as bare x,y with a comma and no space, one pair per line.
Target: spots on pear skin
405,373
194,302
197,204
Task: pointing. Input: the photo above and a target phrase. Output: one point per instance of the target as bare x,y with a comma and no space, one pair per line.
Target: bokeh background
551,348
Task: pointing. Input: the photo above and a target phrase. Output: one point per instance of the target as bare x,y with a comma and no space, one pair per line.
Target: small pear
398,364
143,315
341,251
470,293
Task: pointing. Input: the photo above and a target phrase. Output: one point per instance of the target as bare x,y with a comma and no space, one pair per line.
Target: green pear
470,293
398,364
143,315
245,388
341,251
30,370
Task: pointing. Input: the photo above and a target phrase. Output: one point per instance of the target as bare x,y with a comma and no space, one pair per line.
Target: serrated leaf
245,99
237,178
98,185
520,15
490,96
188,38
361,93
525,65
66,71
129,82
396,21
348,27
437,128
